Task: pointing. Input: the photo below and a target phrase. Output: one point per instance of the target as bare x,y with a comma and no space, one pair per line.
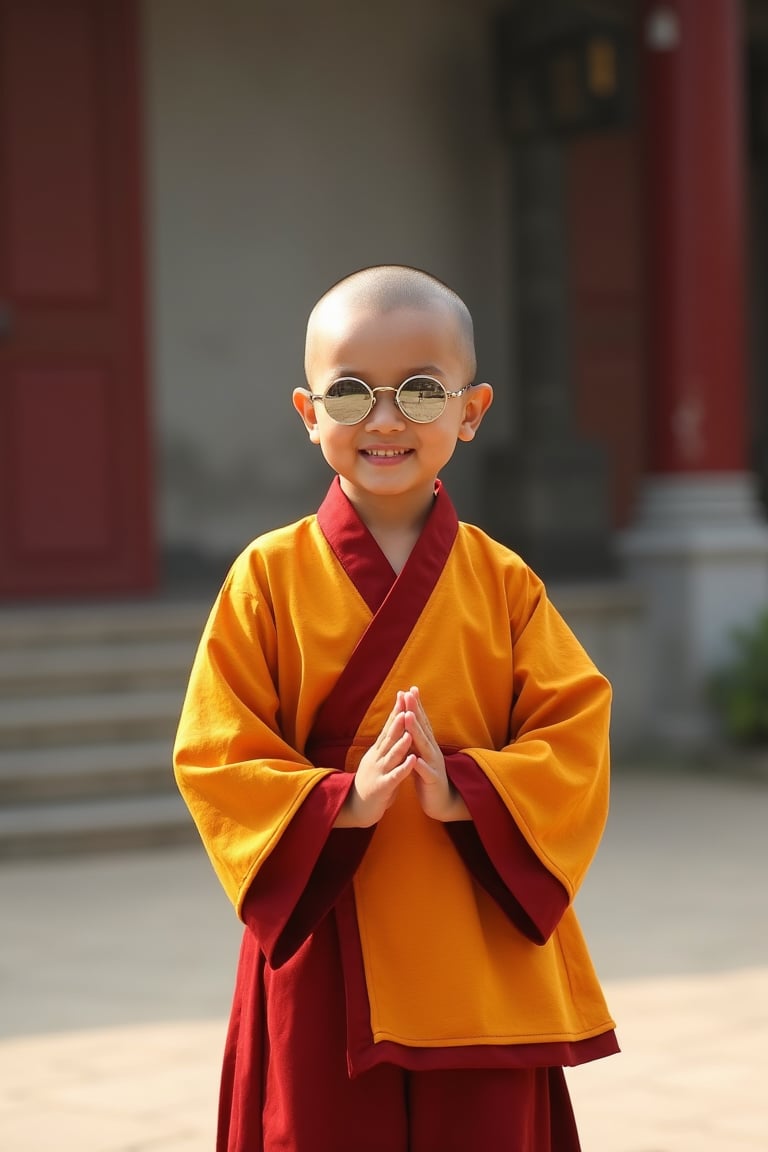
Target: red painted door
75,484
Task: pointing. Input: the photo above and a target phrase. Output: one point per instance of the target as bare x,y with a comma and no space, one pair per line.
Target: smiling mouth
386,451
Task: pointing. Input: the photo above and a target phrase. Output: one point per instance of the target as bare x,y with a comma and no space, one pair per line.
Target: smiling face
386,457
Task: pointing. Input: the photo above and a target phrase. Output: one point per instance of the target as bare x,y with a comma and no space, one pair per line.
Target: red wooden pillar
692,74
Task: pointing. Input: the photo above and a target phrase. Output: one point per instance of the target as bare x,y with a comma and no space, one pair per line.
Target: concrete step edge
26,626
40,775
93,826
123,756
72,720
93,684
88,659
71,710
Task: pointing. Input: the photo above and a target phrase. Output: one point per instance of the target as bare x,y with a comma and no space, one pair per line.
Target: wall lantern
574,82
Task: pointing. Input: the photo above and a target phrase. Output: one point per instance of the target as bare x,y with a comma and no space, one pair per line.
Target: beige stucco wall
287,144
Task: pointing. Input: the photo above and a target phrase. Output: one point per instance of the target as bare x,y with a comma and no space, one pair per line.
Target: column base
699,549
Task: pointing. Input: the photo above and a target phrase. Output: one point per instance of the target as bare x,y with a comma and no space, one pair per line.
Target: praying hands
405,746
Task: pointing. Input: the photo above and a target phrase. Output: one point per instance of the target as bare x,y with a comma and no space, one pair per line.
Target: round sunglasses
419,398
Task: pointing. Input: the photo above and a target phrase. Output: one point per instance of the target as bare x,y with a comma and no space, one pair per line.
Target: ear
479,400
306,409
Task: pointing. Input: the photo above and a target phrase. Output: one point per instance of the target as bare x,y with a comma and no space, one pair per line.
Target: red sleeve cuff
307,870
499,857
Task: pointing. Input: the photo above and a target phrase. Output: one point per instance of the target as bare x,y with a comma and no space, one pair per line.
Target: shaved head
387,288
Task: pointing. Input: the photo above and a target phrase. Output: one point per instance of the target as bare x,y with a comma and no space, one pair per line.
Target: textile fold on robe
306,646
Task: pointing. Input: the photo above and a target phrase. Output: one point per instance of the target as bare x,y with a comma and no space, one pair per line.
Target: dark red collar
363,560
395,601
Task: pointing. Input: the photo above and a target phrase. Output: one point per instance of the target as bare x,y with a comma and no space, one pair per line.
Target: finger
424,771
391,730
428,751
397,709
423,738
416,729
394,731
403,769
414,704
390,760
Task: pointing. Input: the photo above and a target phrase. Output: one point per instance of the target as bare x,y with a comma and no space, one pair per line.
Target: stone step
73,625
108,717
37,775
98,667
94,825
90,697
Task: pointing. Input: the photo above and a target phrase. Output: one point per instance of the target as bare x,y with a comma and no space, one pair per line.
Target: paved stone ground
116,973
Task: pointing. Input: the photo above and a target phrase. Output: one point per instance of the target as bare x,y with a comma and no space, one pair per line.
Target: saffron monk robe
412,976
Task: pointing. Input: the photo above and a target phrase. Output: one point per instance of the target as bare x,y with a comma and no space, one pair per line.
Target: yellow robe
504,682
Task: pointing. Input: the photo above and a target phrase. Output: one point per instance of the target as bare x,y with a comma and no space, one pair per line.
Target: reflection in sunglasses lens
347,401
422,399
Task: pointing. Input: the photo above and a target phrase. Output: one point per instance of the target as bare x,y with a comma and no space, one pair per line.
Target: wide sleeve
243,782
497,854
304,876
539,804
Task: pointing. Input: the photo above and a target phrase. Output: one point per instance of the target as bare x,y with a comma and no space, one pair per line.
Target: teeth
386,451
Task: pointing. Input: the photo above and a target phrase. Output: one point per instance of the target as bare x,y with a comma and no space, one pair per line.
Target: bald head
387,288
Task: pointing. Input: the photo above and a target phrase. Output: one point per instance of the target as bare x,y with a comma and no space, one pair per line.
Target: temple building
181,179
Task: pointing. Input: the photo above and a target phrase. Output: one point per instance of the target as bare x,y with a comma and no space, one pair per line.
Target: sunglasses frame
447,395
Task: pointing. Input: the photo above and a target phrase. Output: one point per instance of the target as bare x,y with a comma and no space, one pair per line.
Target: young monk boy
396,754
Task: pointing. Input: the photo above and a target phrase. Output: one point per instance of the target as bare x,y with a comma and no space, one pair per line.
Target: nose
385,413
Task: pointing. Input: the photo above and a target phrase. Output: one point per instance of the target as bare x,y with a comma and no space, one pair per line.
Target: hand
380,773
437,796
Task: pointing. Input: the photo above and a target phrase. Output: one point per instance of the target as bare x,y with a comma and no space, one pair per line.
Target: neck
394,522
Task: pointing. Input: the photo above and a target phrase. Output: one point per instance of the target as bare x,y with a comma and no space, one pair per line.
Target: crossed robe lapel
396,603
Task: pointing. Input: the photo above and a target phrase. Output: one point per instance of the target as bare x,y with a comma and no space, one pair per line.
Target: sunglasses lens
347,401
422,399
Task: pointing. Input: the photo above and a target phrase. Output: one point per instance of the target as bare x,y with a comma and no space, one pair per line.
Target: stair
89,702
